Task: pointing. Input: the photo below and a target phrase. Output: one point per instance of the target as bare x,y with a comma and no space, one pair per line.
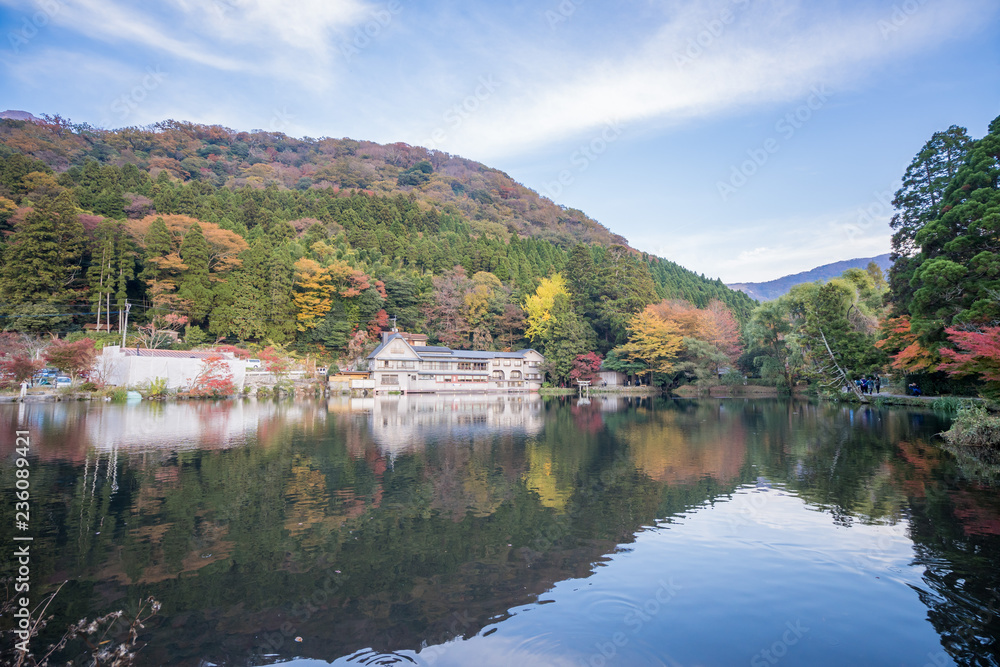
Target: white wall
132,371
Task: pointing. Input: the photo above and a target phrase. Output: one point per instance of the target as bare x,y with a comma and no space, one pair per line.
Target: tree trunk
840,371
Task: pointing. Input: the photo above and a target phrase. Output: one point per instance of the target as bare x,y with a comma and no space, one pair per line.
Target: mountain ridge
772,289
399,206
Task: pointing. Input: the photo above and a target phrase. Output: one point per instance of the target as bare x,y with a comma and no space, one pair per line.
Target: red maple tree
585,367
977,353
20,367
72,358
214,380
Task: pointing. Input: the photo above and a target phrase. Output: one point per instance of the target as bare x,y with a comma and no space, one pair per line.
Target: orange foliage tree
900,341
714,325
224,245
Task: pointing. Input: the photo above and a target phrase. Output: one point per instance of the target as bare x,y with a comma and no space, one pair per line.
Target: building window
515,375
385,363
532,364
506,362
497,375
472,365
426,378
435,365
390,379
517,363
406,365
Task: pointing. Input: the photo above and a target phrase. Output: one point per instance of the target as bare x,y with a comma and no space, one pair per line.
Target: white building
401,363
133,367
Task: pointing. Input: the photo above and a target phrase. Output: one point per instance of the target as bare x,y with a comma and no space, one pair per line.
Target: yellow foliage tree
653,340
317,286
539,305
314,291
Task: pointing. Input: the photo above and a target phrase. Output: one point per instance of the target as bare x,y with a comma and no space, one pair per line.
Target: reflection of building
399,422
186,425
403,363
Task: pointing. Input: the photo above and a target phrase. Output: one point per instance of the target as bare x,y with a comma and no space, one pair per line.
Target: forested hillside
313,244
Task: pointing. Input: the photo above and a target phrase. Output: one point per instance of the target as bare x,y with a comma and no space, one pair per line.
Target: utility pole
128,306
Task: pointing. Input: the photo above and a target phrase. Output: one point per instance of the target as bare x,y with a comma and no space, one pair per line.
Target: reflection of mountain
419,519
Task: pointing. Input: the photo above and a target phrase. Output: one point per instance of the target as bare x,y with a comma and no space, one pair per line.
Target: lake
512,530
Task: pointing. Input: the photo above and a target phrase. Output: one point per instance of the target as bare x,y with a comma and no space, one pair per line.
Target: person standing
24,389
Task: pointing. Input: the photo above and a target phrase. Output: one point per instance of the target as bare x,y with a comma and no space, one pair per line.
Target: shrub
974,427
155,388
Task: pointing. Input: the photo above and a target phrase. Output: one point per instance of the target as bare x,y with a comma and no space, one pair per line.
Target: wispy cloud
770,52
280,39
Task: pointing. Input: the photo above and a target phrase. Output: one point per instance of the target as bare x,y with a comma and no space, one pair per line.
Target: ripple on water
369,656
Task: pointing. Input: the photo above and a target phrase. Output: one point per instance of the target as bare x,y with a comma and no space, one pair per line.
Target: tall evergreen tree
195,285
920,200
42,266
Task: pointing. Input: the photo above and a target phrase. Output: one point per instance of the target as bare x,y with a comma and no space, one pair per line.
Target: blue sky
745,139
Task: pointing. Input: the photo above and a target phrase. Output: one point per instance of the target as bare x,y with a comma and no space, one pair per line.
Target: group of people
869,385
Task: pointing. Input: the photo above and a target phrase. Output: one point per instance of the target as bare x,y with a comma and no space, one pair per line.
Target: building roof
174,354
436,352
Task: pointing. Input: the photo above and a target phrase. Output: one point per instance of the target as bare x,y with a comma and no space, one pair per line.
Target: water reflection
436,529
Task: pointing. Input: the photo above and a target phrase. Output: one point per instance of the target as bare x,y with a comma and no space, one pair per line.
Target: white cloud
770,52
794,245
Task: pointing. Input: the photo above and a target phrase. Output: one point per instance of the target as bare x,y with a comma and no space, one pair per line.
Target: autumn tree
20,367
902,343
653,341
214,379
975,353
71,358
586,367
446,315
539,306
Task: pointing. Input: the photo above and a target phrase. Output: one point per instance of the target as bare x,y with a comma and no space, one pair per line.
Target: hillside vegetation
309,243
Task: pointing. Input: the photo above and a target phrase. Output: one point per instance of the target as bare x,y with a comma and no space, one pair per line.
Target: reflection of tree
955,530
470,522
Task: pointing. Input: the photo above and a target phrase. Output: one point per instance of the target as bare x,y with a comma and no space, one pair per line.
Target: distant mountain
772,289
13,114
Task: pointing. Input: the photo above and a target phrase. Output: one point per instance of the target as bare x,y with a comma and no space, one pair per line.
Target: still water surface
485,530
